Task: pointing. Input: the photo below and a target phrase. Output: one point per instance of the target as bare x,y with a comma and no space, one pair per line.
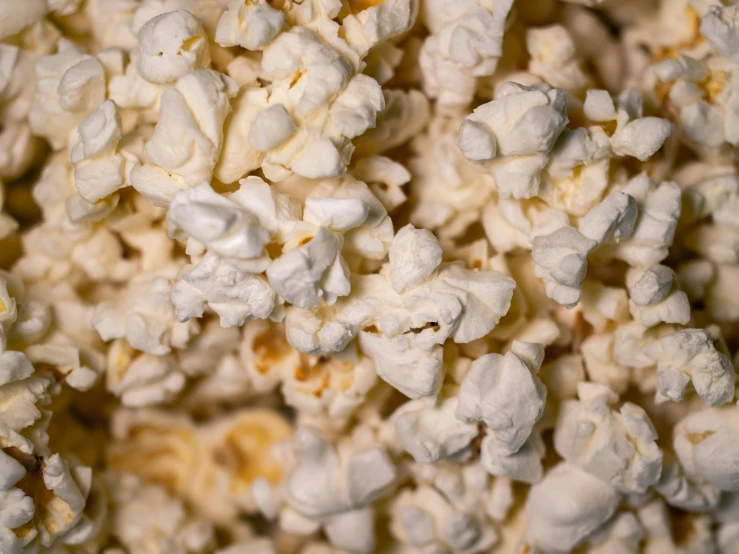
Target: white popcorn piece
681,491
188,137
512,136
565,507
505,392
69,86
144,315
603,306
335,488
432,433
524,465
229,287
385,178
619,447
405,114
655,296
466,42
447,192
636,135
170,46
689,356
603,364
705,443
554,58
718,26
426,519
561,261
99,169
372,24
225,225
237,156
142,380
416,303
415,372
25,455
336,386
249,25
312,271
79,367
659,209
20,149
167,521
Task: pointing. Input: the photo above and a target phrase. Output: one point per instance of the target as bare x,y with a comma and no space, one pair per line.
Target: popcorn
689,356
316,274
619,448
659,208
557,526
405,114
553,58
170,46
660,535
654,299
70,85
334,489
476,300
167,523
702,439
16,19
142,380
251,26
466,42
318,100
506,394
144,316
446,513
188,137
682,492
513,135
99,169
430,434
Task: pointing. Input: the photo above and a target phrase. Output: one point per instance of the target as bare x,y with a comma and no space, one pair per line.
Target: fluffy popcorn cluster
369,276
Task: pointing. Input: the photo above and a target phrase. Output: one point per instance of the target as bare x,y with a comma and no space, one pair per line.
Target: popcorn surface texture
369,276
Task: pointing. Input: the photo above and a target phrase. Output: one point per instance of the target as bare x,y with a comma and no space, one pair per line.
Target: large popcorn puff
406,312
513,135
450,509
618,447
333,488
466,43
188,137
144,315
318,99
689,356
556,526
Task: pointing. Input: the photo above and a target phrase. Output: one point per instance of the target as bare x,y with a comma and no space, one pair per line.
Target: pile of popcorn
358,276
